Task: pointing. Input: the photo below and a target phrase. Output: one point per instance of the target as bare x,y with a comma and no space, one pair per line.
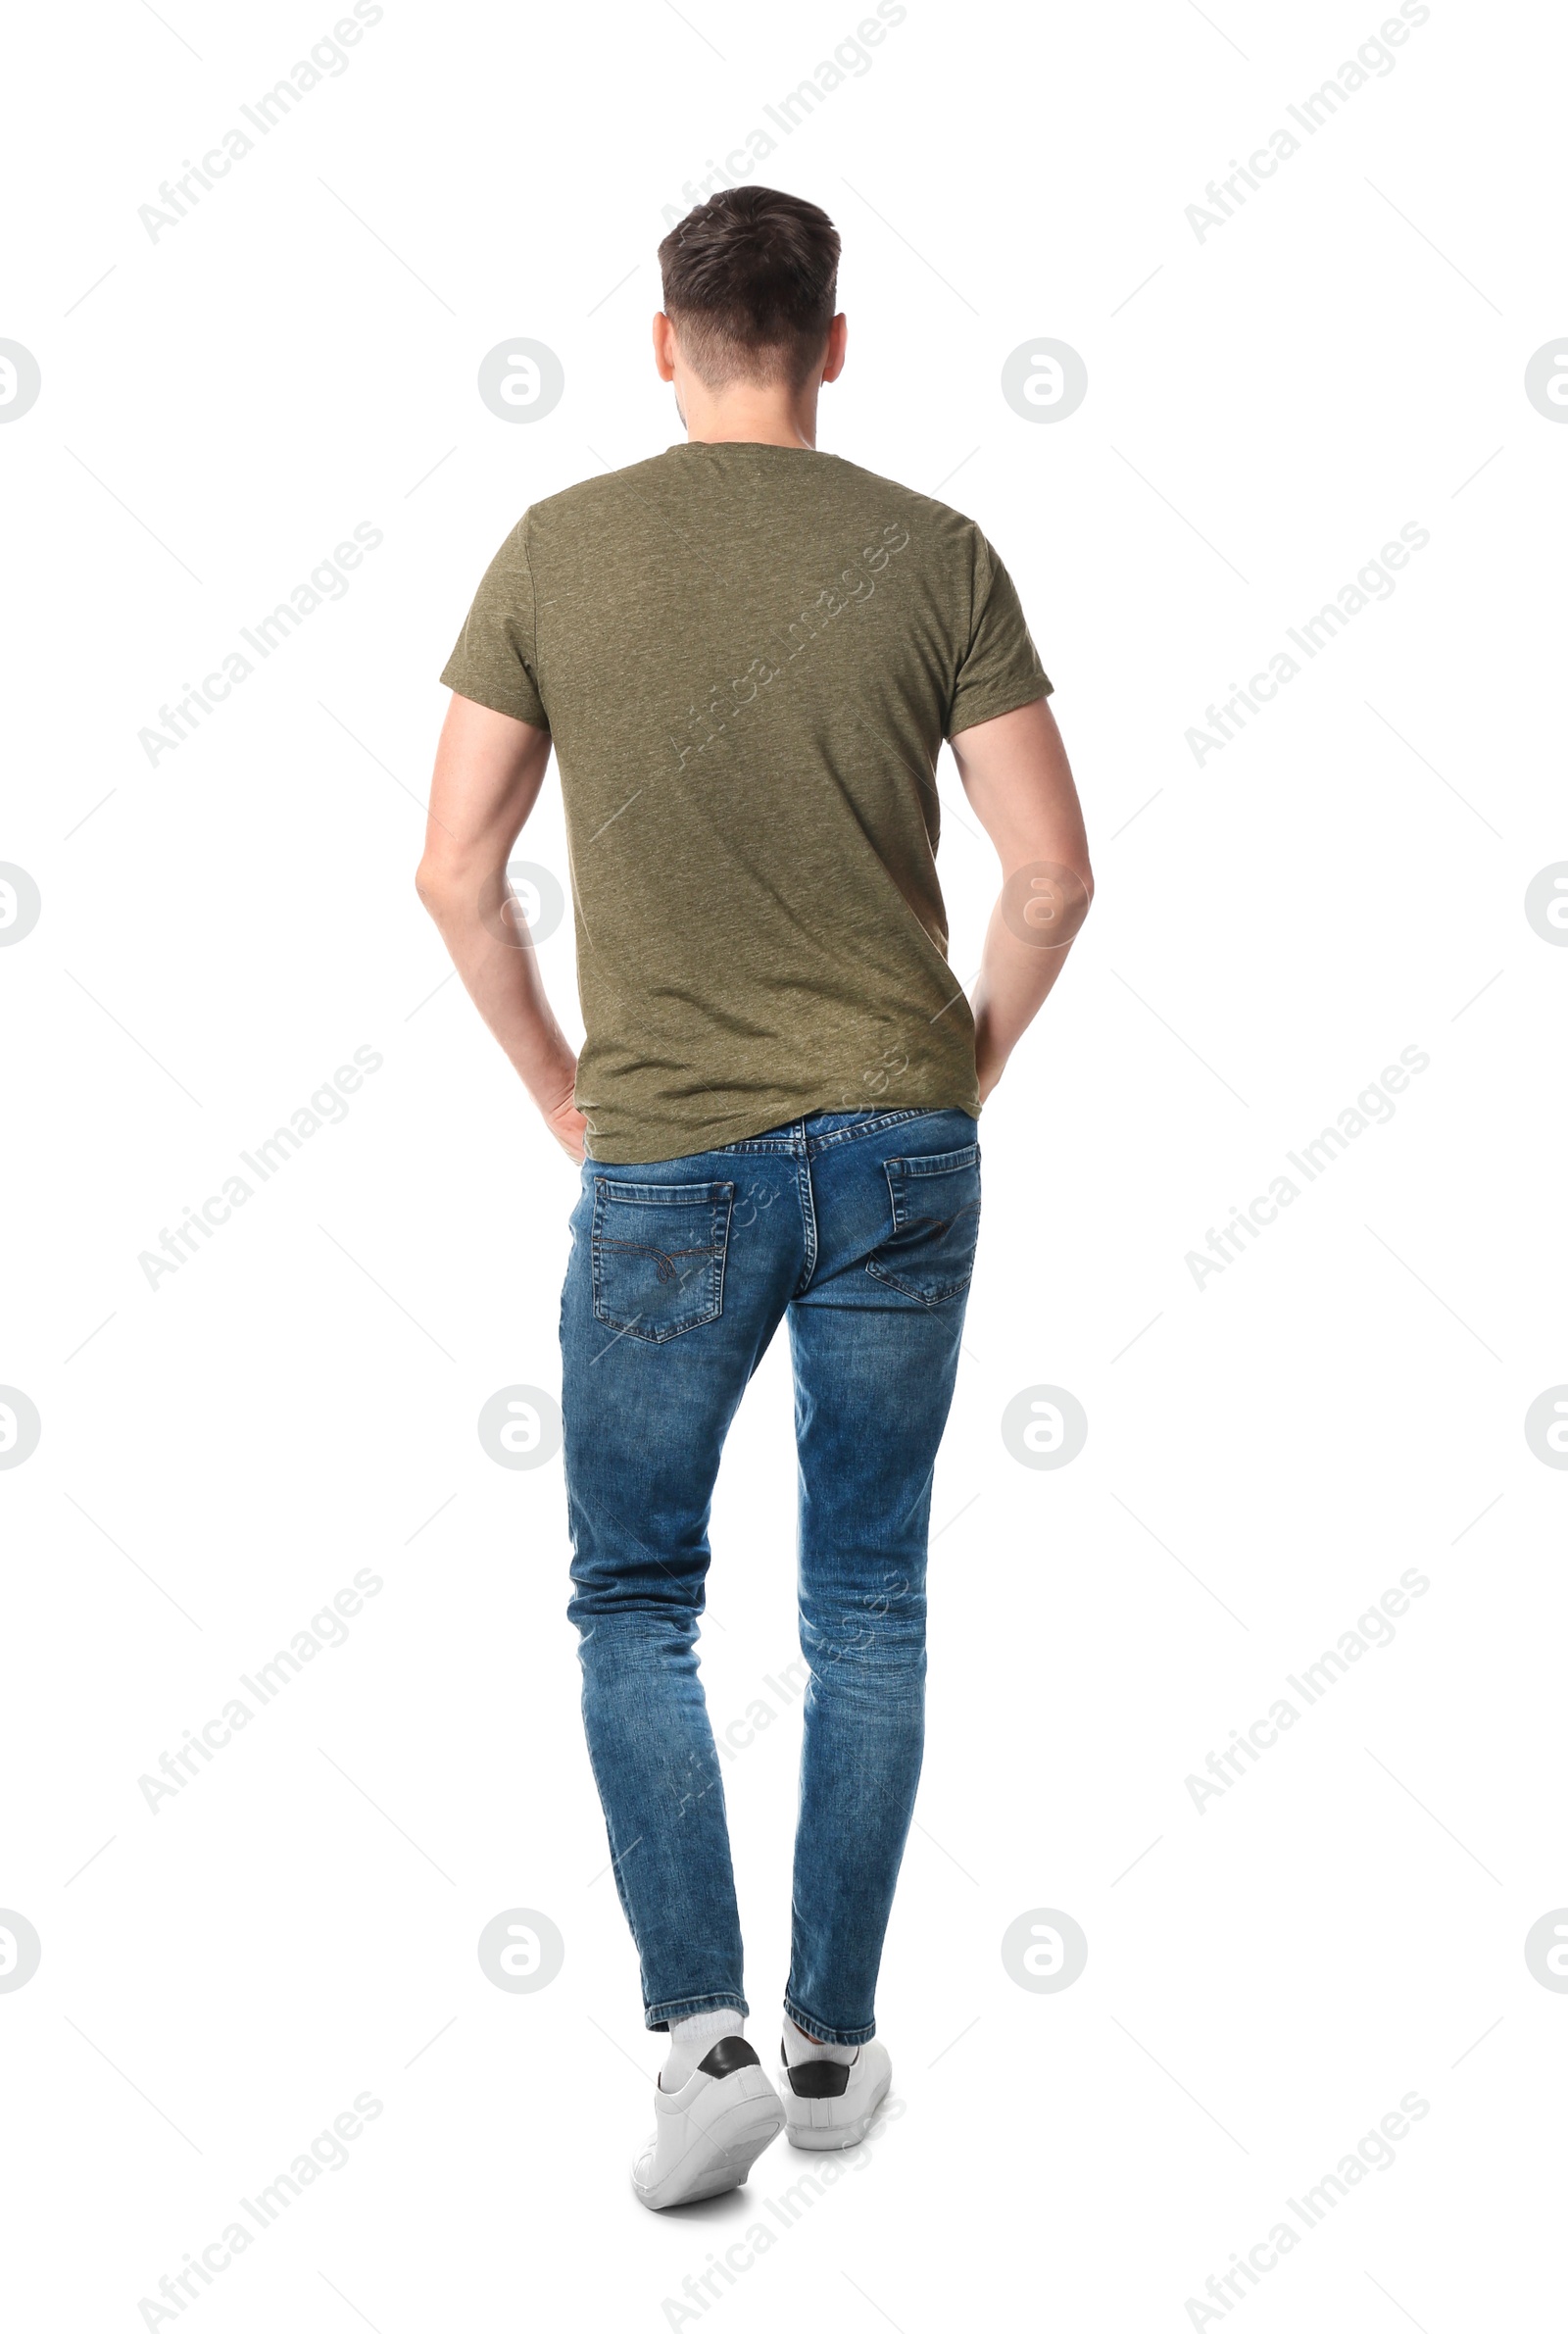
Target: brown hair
750,280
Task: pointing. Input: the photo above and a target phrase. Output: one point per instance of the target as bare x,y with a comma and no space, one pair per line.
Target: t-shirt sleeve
496,659
1000,670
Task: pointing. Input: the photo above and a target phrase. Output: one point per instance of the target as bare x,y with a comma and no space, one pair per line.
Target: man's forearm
488,772
1032,927
1015,773
1013,982
505,985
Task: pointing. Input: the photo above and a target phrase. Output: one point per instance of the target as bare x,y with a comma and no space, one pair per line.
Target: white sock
799,2048
691,2040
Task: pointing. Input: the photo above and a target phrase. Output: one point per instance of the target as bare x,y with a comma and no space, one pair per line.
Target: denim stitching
803,1185
660,1333
876,1126
904,1220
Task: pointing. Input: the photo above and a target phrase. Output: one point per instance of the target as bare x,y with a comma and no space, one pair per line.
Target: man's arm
488,771
1015,773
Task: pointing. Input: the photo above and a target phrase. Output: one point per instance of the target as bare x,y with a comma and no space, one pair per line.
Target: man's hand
569,1126
1016,772
488,772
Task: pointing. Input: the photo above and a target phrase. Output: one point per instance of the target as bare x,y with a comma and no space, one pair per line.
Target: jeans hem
843,2035
659,2014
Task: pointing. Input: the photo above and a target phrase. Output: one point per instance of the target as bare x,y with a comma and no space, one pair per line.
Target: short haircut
750,282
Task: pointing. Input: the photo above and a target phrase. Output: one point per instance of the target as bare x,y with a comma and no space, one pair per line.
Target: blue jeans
861,1228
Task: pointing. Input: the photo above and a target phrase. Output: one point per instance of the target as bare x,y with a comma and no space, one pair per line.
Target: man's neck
753,422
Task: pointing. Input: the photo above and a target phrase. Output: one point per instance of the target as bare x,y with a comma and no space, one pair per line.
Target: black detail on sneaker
728,2055
826,2079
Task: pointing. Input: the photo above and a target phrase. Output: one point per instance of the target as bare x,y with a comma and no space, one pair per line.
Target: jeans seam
803,1185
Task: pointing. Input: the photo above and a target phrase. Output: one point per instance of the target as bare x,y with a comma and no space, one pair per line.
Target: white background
1266,1455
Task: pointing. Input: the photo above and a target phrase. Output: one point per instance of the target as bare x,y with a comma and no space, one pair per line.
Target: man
747,654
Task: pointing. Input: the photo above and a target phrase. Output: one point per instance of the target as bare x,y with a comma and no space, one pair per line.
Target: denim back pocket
658,1256
936,1224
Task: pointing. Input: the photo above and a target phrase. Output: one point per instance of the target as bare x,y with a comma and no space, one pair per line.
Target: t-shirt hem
631,1149
995,702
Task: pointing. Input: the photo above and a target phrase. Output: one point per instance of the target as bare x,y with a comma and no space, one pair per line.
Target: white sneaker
831,2106
711,2131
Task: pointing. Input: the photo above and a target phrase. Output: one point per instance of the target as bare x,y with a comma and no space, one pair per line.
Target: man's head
750,280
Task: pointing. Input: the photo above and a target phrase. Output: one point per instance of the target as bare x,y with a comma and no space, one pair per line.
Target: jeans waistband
803,1136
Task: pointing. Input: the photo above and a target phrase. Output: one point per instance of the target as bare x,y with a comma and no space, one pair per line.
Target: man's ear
664,347
838,335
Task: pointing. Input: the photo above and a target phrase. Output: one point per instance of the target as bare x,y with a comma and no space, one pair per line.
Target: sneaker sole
721,2157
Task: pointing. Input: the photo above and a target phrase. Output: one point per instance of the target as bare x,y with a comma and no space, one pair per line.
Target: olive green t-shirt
747,657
